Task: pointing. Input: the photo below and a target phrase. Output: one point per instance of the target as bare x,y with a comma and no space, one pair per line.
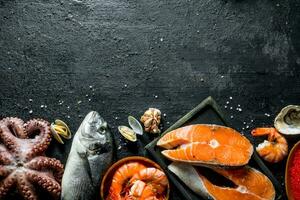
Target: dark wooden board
207,112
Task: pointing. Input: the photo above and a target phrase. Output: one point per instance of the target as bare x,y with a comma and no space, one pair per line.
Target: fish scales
90,156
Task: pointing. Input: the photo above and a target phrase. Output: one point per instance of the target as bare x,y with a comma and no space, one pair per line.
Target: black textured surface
140,54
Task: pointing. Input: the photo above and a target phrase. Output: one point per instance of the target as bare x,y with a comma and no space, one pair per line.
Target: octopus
23,164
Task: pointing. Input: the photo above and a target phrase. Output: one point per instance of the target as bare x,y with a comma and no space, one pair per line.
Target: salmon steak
206,144
249,183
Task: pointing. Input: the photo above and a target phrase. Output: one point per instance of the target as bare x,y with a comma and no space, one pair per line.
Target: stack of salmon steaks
225,152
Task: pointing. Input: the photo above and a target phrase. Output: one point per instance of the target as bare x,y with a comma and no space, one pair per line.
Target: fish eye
102,129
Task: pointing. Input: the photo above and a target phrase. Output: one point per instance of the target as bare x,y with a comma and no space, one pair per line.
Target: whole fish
90,156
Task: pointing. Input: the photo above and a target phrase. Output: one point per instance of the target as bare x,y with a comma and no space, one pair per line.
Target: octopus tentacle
26,188
22,162
41,163
8,139
46,182
43,139
6,185
5,157
16,125
5,170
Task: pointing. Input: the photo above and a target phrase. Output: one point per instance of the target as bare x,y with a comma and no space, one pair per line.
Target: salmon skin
250,183
207,144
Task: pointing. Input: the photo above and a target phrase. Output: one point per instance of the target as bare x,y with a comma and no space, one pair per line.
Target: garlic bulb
151,120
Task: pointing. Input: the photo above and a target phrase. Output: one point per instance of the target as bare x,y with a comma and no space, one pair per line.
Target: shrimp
142,191
119,183
151,176
275,148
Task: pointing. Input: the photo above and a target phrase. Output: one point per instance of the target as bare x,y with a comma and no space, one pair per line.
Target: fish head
94,132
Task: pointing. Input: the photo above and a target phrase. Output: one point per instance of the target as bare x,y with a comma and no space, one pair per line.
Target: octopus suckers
24,157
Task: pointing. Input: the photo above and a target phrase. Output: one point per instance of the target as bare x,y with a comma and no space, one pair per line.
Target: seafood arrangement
206,144
190,151
23,164
221,149
90,156
136,179
249,183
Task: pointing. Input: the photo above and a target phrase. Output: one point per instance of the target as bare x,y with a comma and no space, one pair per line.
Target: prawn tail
263,131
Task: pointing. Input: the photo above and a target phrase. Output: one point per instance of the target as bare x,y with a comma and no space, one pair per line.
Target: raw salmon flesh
207,144
250,184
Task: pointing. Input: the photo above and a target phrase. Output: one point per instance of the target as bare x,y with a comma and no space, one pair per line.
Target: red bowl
287,175
106,181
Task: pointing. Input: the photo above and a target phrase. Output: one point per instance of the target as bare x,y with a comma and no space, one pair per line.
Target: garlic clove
151,120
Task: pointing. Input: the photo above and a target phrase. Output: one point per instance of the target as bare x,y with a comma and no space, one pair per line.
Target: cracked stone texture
120,57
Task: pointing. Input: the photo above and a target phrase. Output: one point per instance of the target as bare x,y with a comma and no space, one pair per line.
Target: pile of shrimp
134,181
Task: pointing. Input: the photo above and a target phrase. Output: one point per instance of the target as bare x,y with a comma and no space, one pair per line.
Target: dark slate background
62,58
